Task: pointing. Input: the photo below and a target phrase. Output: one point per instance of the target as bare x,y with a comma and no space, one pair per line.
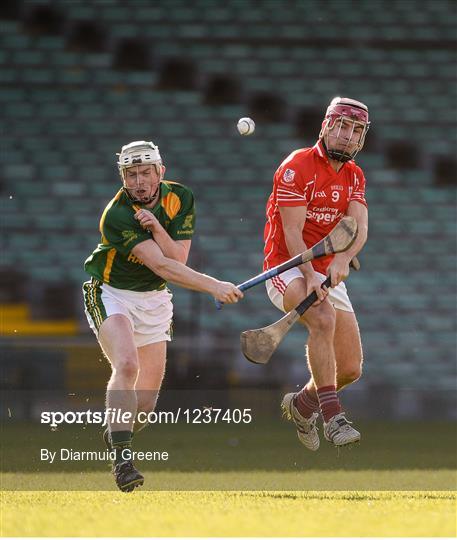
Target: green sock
120,441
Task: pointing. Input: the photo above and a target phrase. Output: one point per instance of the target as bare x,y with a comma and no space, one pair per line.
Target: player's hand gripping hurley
339,239
259,345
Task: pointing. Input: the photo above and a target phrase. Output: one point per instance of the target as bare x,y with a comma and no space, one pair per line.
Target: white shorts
276,288
150,313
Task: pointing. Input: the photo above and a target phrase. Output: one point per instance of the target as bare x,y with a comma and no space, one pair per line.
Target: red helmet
343,144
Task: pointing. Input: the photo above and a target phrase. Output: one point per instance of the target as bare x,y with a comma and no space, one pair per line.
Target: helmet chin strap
152,197
335,155
133,199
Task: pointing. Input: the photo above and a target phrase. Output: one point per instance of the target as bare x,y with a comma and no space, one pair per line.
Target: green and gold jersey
112,261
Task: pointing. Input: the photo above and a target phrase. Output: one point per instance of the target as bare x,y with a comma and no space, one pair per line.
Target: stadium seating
67,112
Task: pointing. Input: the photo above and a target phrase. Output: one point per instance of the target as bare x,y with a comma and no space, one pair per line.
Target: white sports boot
306,427
338,431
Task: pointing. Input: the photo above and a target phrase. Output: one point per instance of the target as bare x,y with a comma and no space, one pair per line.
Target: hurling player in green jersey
146,233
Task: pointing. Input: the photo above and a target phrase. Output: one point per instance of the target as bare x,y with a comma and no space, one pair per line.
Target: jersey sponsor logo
188,222
320,194
288,176
128,237
133,259
323,217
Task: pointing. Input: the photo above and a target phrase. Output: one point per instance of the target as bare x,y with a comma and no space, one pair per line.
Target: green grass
254,480
269,445
229,513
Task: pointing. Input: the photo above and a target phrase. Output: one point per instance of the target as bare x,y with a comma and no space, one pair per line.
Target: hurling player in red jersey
313,189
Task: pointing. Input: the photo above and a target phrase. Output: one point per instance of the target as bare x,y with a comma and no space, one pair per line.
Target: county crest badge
288,176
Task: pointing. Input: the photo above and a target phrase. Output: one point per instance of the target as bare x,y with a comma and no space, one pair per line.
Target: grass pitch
227,513
235,481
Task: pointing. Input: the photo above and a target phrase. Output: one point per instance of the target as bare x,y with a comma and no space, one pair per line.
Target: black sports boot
127,477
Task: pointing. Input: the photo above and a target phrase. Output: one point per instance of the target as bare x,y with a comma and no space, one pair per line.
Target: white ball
246,126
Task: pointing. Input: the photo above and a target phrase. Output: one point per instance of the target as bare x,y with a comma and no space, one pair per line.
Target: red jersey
306,178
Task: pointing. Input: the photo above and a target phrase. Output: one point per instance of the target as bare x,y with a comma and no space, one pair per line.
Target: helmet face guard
133,155
344,128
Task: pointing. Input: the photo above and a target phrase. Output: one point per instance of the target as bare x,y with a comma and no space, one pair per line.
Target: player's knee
350,375
128,368
323,322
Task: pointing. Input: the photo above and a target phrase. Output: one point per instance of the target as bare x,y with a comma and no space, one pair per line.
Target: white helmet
138,153
135,154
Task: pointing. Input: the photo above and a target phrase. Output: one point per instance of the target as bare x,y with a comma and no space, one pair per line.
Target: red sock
306,403
329,402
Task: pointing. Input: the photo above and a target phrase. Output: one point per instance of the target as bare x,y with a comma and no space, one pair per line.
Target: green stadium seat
98,60
51,222
159,32
69,189
46,274
83,10
17,172
72,75
19,110
107,77
77,274
192,31
151,12
14,40
141,78
38,76
64,58
88,223
426,33
40,205
56,172
102,190
49,43
124,30
117,13
214,65
28,57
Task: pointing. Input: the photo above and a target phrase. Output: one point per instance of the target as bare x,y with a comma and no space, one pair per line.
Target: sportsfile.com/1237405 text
206,415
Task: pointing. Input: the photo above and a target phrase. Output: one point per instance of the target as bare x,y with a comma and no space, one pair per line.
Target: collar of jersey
320,151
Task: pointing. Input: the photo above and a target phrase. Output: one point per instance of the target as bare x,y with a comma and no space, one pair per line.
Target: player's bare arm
339,267
293,220
174,249
175,272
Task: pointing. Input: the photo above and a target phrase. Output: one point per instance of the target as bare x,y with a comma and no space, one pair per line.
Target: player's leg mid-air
334,345
313,189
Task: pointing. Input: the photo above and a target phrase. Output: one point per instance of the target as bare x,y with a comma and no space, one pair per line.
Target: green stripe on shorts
93,301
